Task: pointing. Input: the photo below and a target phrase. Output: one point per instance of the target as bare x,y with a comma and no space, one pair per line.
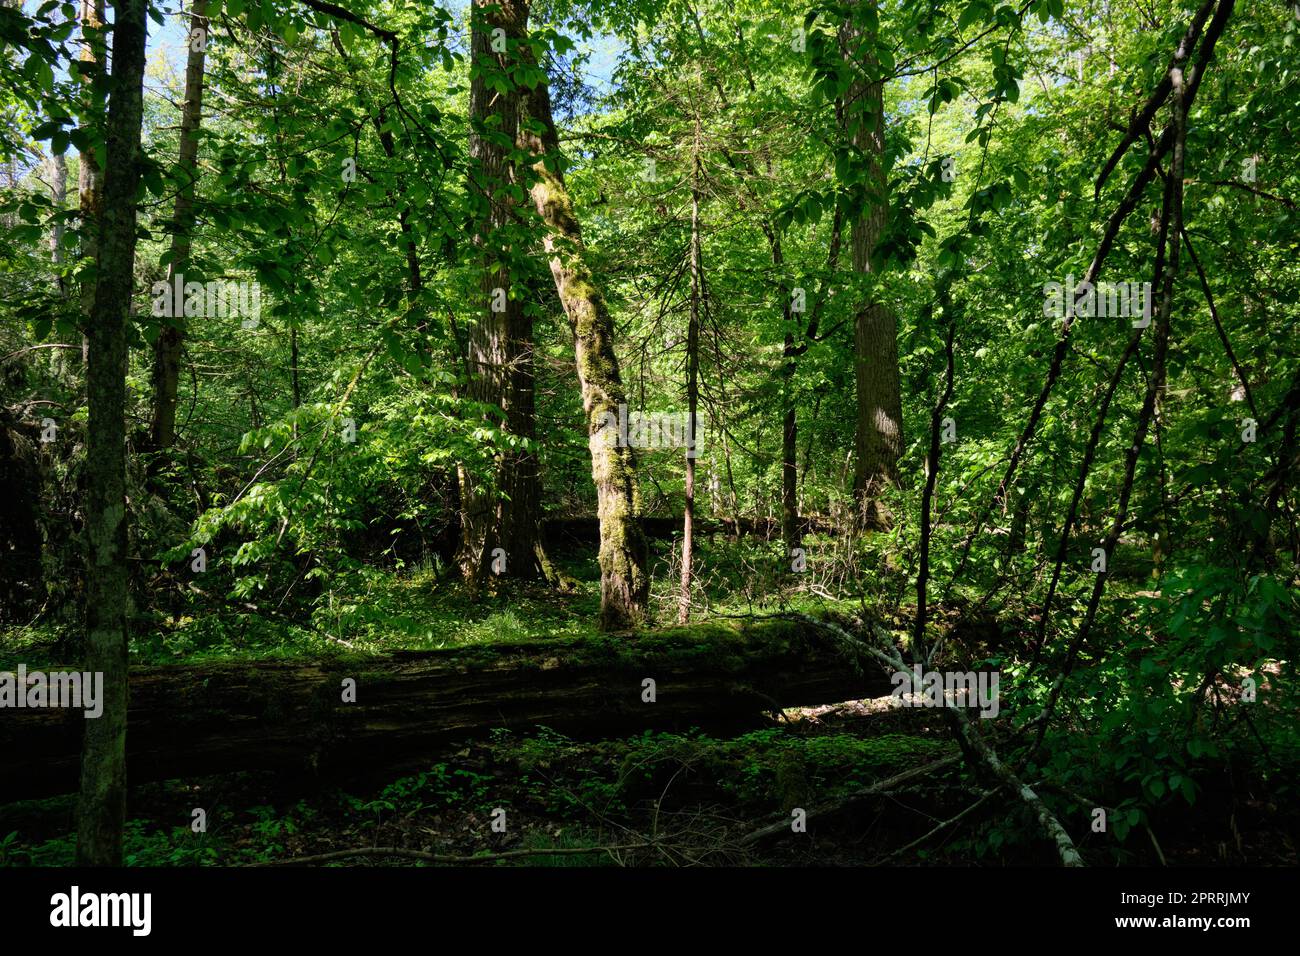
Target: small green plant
500,627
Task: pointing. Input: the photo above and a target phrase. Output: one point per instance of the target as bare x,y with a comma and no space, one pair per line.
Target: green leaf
973,12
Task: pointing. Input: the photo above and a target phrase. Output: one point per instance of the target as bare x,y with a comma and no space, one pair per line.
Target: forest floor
687,797
419,608
667,799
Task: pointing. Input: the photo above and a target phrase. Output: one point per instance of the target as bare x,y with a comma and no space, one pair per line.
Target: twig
876,789
29,348
1218,325
944,824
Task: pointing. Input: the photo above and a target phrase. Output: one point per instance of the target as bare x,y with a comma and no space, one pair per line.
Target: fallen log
290,715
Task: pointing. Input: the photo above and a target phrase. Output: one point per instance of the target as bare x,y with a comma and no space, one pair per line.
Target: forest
649,433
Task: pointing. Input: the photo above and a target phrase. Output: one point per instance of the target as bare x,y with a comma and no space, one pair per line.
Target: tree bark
692,385
95,62
102,807
624,581
790,528
58,170
879,431
167,349
503,512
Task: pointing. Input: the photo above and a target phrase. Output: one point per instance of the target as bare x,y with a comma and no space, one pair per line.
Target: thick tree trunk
501,513
102,808
624,581
879,432
167,349
290,716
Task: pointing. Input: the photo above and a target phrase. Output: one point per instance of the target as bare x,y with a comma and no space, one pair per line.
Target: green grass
376,612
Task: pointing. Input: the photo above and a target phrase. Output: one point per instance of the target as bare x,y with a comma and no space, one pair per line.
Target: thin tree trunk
790,530
167,349
295,383
58,171
879,432
733,496
692,384
94,56
11,174
624,582
790,533
503,513
101,811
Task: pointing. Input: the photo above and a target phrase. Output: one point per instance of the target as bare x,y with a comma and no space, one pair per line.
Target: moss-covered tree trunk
102,809
624,582
167,350
501,514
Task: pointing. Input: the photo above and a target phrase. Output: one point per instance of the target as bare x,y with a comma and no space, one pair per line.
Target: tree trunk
167,349
624,582
58,171
102,808
95,58
692,385
879,431
790,529
60,362
290,716
501,513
